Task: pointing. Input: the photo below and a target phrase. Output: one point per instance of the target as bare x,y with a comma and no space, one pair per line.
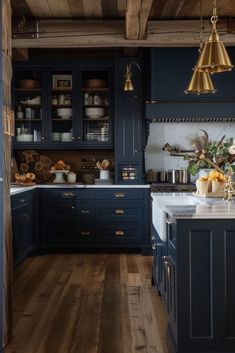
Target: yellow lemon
214,174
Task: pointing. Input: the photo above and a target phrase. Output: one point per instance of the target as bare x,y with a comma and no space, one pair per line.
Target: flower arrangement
209,154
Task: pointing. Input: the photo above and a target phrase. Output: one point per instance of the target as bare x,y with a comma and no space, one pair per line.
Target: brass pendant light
214,57
200,82
128,86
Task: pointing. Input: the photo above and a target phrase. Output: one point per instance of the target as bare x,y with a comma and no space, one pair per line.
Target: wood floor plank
87,303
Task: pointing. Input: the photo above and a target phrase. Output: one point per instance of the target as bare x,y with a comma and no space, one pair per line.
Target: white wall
178,134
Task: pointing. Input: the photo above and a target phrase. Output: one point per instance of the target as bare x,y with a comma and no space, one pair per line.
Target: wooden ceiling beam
137,13
87,34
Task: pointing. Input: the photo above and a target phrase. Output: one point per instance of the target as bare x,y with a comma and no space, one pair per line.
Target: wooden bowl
96,83
28,84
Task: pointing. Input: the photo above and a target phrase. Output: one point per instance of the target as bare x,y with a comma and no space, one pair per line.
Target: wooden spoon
105,164
99,166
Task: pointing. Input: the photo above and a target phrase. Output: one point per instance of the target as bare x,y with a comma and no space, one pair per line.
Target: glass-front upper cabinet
96,128
62,109
28,106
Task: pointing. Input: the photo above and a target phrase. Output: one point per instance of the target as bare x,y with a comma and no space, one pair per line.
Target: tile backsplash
178,135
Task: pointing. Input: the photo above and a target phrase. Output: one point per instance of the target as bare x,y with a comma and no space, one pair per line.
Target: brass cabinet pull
68,194
85,233
119,233
119,194
85,211
119,211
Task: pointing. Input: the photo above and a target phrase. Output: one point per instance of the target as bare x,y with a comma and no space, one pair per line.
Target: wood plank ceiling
116,9
118,23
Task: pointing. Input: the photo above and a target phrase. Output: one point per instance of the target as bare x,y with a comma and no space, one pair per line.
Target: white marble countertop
203,208
19,189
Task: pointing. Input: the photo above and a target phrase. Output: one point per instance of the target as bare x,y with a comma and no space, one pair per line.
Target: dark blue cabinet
64,117
170,71
22,223
199,285
97,218
129,132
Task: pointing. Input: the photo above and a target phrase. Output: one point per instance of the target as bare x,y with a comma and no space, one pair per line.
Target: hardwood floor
87,304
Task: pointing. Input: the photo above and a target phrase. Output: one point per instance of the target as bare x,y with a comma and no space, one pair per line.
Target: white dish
65,112
66,136
94,112
24,138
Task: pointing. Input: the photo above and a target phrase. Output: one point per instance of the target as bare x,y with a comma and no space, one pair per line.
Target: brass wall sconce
128,86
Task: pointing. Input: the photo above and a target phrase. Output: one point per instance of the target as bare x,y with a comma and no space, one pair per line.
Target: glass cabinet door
62,109
96,112
28,103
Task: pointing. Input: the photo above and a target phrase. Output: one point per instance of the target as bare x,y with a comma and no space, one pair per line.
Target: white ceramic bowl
65,113
66,136
94,112
56,136
24,138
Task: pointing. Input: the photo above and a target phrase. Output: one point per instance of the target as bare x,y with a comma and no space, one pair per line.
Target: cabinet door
96,108
60,217
29,106
171,293
129,128
22,231
62,111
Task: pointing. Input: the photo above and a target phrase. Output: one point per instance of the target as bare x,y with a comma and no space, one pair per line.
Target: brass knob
73,138
85,233
119,233
85,211
42,138
119,211
119,195
79,138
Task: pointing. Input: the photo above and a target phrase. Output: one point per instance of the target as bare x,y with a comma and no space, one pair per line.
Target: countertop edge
17,190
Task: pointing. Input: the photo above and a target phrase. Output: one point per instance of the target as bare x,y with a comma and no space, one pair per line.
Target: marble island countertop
187,206
19,189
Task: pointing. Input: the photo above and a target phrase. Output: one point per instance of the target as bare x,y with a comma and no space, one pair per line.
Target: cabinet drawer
120,234
119,212
120,194
19,199
85,233
85,212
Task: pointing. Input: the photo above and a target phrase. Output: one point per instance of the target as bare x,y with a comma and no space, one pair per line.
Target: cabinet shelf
29,120
31,105
97,119
96,105
28,89
61,106
61,120
62,90
95,89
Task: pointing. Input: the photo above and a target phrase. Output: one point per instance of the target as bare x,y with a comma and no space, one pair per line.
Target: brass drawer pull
119,233
119,195
68,194
119,211
85,211
85,233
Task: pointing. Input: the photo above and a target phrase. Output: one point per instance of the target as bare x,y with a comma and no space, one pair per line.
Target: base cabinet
103,218
22,226
199,286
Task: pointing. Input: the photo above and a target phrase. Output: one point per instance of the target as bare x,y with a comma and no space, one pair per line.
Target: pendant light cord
201,29
214,17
